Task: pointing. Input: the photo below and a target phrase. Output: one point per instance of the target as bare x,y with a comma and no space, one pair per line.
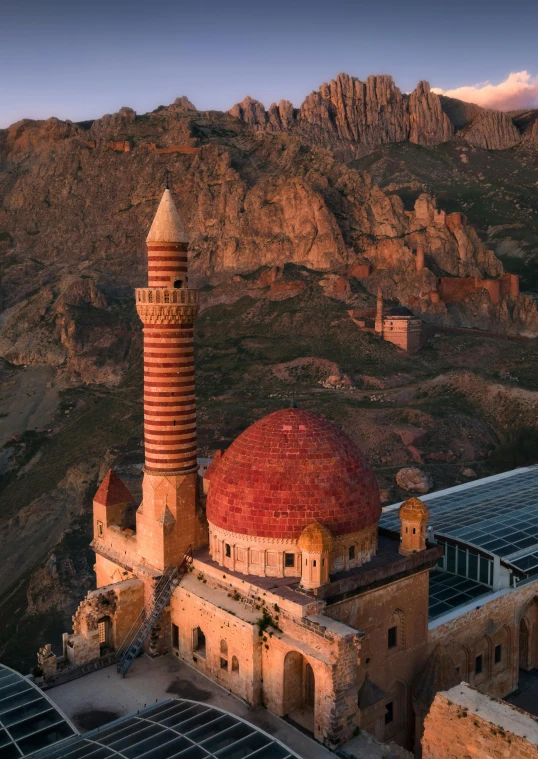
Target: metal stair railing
150,614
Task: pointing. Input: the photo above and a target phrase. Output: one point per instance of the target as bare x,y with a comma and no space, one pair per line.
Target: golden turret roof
166,226
315,538
413,508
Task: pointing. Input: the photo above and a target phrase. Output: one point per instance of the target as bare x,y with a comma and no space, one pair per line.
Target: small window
100,529
458,671
178,283
314,563
389,714
478,665
198,641
227,549
414,530
223,663
351,553
289,559
175,636
498,654
392,637
224,648
235,664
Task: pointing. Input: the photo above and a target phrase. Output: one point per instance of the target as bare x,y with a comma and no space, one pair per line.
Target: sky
79,60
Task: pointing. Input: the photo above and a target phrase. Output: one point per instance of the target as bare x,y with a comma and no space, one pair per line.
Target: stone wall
456,289
464,723
402,604
509,621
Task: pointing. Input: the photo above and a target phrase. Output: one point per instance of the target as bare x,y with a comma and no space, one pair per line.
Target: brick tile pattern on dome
288,470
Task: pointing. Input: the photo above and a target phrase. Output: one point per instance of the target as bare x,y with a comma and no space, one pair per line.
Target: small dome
398,311
413,508
316,539
288,470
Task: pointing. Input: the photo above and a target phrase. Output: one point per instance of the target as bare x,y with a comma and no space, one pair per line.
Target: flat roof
29,720
174,728
496,514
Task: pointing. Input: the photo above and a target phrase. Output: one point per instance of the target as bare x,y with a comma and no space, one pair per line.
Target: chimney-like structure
378,326
167,521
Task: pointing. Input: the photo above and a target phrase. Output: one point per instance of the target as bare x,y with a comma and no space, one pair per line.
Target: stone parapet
157,305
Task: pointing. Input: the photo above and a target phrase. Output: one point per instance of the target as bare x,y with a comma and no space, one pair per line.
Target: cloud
519,90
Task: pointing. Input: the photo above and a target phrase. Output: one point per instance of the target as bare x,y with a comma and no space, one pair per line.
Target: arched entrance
299,690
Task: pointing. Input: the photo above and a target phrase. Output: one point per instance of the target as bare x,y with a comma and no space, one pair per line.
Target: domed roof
315,539
399,311
413,508
288,470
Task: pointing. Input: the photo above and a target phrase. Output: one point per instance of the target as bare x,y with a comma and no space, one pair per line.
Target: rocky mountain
352,117
287,235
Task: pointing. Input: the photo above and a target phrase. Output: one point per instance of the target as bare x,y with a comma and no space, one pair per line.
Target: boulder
414,480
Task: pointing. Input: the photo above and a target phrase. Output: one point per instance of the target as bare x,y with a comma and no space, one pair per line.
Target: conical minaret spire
168,308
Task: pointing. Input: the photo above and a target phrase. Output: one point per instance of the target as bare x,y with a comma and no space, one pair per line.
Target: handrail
162,588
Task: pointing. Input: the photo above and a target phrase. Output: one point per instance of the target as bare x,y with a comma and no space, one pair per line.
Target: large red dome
288,470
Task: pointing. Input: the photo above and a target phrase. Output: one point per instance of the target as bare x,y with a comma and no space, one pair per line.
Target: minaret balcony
160,305
182,295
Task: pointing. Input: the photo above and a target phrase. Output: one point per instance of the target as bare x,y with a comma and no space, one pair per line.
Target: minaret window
178,283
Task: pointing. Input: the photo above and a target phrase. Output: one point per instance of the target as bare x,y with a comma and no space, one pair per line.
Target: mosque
290,588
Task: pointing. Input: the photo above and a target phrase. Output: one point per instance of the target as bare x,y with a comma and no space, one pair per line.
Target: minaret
378,327
167,520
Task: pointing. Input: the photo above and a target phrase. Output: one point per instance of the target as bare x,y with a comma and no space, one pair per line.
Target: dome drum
276,557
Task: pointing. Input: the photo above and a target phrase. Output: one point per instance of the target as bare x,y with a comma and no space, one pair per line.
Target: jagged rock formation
492,130
352,117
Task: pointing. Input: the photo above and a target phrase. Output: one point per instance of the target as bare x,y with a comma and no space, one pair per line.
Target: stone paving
99,697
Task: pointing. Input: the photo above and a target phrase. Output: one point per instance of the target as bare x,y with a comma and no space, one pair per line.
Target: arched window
150,297
157,297
166,296
396,631
235,664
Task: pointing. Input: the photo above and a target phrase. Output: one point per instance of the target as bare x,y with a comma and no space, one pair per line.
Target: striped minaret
168,520
168,308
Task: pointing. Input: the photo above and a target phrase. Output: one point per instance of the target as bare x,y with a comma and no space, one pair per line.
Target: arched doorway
523,644
299,690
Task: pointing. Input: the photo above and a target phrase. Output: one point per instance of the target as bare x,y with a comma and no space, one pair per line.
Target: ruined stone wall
402,604
463,723
509,621
118,606
456,289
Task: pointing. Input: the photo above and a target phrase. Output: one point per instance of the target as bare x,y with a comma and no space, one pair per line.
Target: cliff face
76,203
353,117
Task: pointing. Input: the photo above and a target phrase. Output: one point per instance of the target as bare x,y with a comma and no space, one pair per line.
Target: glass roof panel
499,515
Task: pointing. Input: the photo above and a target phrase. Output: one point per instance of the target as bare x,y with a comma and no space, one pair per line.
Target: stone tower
167,521
413,515
378,326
